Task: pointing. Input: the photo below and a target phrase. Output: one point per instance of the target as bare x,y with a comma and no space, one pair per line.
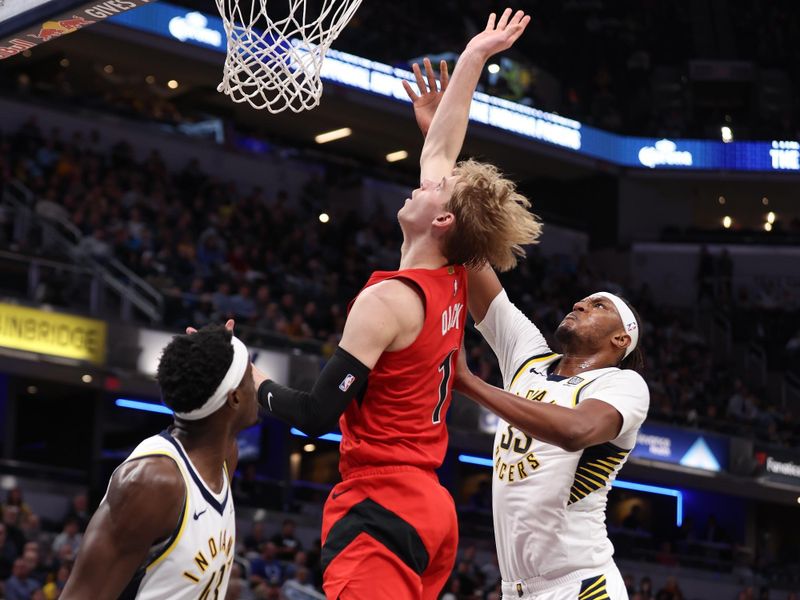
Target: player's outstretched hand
426,102
499,35
229,324
463,374
259,376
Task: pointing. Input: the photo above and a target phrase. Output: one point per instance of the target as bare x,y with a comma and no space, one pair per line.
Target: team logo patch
574,380
631,326
347,382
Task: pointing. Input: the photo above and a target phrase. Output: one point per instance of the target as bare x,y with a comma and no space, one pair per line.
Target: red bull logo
53,29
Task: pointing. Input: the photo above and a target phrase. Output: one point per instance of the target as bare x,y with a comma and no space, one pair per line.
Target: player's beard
566,336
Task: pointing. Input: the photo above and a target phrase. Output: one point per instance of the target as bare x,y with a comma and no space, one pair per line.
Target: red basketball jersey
401,418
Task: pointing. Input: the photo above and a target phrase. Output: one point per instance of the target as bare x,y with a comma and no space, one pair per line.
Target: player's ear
234,399
443,221
621,340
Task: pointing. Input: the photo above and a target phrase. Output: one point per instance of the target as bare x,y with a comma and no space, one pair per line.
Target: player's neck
421,254
571,364
207,446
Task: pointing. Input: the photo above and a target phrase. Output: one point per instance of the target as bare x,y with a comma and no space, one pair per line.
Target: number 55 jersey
549,503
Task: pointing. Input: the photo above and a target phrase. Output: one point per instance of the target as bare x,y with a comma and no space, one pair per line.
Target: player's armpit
484,286
142,507
599,423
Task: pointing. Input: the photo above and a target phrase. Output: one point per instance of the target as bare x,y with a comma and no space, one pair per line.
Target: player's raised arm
383,315
449,123
142,508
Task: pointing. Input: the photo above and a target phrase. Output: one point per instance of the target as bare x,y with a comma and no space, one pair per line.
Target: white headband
229,383
628,319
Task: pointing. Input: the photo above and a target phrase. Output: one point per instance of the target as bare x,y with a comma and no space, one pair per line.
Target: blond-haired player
389,529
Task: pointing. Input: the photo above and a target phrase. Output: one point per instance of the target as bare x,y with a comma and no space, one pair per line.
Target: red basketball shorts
388,533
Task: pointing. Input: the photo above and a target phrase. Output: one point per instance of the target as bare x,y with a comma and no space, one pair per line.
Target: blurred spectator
52,590
20,586
79,511
69,538
267,567
634,519
286,543
670,591
8,552
14,498
258,534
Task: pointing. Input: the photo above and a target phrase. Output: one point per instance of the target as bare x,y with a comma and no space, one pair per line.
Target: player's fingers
420,81
410,91
501,24
490,22
430,74
444,76
519,29
517,17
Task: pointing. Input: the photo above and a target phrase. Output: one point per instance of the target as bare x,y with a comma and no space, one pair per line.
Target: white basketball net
276,64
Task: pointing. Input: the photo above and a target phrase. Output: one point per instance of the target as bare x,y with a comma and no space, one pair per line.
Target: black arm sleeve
315,413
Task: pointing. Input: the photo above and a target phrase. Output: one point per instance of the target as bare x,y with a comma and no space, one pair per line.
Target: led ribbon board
377,78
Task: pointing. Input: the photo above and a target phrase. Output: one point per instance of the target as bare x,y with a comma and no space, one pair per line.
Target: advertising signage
779,465
698,450
206,31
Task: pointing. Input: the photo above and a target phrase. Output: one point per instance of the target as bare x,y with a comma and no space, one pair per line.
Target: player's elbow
574,436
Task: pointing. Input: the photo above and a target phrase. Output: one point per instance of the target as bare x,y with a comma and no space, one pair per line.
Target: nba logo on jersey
574,380
347,382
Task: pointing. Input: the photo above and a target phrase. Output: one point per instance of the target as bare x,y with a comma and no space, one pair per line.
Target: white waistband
536,585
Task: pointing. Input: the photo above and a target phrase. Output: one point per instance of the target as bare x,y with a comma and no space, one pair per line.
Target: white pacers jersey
548,503
194,563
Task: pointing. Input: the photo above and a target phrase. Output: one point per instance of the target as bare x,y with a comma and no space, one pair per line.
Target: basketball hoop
274,62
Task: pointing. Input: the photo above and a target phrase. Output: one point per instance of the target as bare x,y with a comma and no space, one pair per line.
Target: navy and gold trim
383,525
596,465
526,364
593,588
207,496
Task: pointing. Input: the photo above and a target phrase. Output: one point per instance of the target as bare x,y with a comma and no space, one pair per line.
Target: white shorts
604,583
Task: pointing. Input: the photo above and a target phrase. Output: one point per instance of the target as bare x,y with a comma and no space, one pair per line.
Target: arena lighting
395,156
324,218
727,222
721,200
108,69
330,136
767,226
493,68
172,84
330,437
86,378
625,485
64,62
770,217
727,134
309,447
765,201
145,406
